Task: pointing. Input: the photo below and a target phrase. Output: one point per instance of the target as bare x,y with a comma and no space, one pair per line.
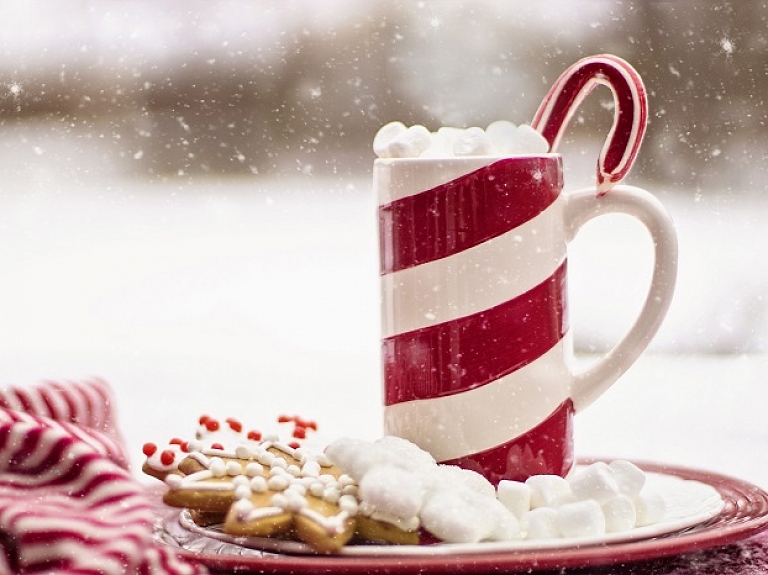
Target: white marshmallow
403,451
502,136
528,141
596,481
549,491
620,514
541,523
629,476
385,135
515,496
441,145
651,508
393,491
465,516
472,142
581,519
455,476
409,144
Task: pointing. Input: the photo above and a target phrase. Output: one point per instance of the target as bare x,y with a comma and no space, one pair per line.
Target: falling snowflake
14,89
727,46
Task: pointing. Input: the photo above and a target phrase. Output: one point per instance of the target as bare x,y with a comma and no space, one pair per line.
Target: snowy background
186,206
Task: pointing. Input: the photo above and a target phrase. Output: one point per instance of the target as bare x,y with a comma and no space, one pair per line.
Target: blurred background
186,206
200,88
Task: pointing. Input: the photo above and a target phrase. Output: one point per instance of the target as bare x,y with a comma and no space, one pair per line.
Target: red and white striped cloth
68,503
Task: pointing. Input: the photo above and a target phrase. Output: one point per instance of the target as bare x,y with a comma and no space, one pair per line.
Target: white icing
233,468
278,482
217,467
259,485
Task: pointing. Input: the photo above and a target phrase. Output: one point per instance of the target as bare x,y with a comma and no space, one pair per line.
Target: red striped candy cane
630,113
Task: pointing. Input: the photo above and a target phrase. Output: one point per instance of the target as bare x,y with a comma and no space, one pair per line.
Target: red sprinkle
217,446
309,424
254,435
211,425
300,432
176,441
234,424
149,449
203,419
185,447
294,445
285,419
167,457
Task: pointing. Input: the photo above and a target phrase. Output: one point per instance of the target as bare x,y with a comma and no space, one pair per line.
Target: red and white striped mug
476,343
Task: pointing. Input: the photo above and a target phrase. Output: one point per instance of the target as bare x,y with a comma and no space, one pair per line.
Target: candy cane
629,120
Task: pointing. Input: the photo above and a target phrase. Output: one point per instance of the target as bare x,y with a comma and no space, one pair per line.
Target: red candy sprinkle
167,457
300,432
306,423
254,435
285,419
185,446
234,424
149,449
203,419
294,445
176,441
211,425
217,446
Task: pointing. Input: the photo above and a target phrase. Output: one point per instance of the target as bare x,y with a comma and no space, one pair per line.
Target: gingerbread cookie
264,487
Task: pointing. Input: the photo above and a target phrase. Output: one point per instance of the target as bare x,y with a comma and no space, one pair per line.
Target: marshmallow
620,514
402,450
596,481
629,477
393,491
409,144
549,491
651,508
472,142
541,523
581,519
465,516
441,145
458,476
515,496
385,135
501,138
528,141
502,135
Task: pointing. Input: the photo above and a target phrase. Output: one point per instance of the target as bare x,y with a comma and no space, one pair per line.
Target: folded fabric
68,503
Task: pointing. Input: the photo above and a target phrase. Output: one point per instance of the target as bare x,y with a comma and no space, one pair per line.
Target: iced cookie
226,435
264,487
295,492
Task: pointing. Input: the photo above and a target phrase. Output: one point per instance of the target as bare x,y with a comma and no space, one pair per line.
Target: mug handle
584,205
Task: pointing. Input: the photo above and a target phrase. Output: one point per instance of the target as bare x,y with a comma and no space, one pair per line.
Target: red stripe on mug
477,349
545,449
466,211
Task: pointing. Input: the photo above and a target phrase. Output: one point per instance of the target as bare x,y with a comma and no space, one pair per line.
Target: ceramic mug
476,346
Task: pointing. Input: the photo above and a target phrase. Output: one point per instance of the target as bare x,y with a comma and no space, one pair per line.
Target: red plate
744,514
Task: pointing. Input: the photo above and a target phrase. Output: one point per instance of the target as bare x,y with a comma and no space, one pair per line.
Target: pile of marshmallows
500,139
600,498
400,483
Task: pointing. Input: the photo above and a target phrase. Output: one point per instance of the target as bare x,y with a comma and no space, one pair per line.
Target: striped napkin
68,503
